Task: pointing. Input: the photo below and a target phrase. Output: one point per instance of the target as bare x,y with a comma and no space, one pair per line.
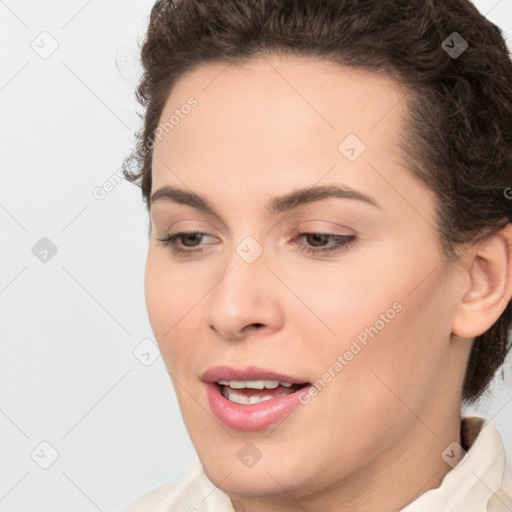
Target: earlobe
489,273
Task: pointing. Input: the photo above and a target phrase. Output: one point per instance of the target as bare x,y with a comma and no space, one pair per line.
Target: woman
329,270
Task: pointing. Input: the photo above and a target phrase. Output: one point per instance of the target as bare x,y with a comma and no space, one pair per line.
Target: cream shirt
475,484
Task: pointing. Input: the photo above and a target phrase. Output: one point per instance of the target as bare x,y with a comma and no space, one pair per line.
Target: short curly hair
459,117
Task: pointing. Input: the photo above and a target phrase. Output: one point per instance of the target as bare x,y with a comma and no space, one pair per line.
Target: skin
372,438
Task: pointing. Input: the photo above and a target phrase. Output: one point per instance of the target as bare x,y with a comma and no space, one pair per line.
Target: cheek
158,294
343,299
405,357
391,314
172,302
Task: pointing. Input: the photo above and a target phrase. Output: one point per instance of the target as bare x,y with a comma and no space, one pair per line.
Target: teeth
239,398
256,399
253,384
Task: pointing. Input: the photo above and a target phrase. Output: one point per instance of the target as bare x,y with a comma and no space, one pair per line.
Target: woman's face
346,291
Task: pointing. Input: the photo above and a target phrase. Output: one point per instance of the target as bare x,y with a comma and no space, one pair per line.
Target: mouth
255,391
252,398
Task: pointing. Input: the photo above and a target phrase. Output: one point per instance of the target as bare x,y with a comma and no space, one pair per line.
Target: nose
245,299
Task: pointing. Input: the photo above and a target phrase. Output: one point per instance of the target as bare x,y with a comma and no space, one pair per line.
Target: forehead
261,119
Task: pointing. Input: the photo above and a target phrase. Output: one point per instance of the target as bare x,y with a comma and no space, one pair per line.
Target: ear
488,286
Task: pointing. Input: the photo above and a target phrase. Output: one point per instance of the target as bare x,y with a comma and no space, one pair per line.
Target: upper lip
248,373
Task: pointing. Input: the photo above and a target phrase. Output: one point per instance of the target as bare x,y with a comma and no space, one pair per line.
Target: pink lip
249,417
250,373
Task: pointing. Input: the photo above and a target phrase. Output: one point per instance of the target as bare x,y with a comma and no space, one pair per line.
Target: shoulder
192,492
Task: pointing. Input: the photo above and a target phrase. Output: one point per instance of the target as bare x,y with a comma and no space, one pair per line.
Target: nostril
254,326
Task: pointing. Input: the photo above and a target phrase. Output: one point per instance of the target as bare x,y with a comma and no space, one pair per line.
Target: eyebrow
291,201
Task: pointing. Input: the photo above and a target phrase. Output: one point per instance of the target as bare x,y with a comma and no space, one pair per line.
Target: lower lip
249,417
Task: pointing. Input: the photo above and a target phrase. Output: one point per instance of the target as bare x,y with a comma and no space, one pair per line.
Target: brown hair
459,117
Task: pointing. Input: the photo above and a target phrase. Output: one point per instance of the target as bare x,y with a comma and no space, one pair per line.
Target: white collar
475,483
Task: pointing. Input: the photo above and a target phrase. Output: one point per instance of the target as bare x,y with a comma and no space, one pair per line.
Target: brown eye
188,239
318,239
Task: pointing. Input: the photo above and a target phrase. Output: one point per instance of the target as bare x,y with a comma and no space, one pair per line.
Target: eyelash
345,241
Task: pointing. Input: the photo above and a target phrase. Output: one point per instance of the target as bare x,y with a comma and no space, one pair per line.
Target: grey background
81,379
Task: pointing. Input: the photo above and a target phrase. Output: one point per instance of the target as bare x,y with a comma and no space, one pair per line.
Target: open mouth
255,391
252,398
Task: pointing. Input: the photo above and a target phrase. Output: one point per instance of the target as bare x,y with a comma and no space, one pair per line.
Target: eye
170,241
341,242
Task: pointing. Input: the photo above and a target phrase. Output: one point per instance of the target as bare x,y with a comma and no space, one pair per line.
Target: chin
252,484
264,478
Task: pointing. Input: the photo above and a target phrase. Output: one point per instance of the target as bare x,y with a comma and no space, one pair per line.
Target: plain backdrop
88,416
